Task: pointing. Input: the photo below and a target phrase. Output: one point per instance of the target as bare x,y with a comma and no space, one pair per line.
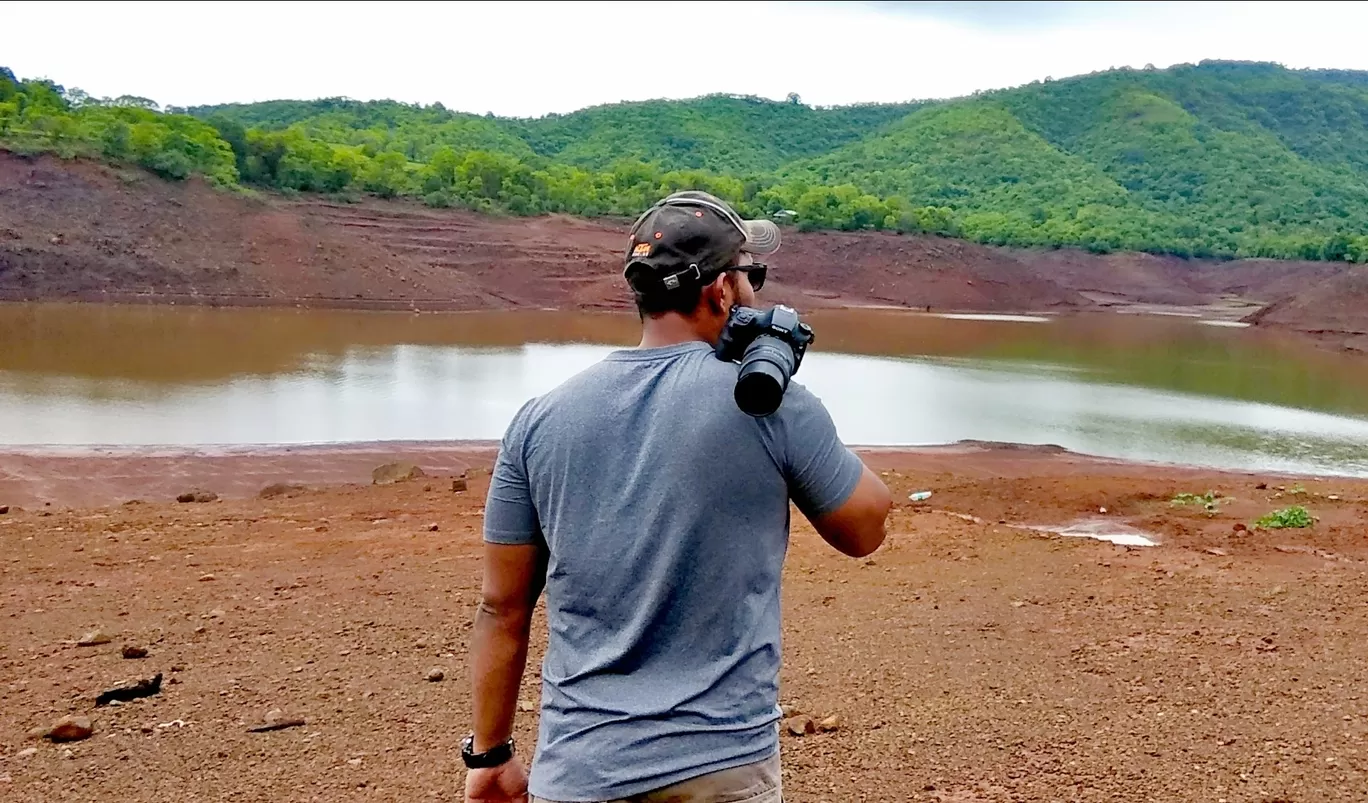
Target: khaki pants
751,783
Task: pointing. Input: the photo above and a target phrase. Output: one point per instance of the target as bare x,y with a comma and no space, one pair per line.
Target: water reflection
1168,390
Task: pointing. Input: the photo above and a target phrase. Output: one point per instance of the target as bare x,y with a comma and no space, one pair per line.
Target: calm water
1159,389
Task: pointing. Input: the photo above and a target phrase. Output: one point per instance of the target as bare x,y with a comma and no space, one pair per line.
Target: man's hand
506,783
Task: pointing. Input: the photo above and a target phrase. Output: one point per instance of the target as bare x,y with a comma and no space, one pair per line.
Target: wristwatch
492,757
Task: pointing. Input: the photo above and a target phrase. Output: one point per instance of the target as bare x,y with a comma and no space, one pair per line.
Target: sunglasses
755,272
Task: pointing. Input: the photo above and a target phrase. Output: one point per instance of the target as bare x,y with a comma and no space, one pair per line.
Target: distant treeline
1218,160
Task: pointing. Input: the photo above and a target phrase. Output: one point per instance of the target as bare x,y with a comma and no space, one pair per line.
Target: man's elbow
514,617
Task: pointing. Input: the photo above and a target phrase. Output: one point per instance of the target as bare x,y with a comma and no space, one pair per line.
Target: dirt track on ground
83,231
969,660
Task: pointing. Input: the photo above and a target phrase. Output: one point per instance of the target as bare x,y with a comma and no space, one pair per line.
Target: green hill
1220,158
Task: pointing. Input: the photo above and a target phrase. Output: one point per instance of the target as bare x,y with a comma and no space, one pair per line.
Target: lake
1147,388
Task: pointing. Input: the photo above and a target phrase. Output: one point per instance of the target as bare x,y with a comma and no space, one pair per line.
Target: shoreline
101,476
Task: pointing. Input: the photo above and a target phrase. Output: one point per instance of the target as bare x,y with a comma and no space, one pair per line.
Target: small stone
68,754
432,528
93,639
207,578
217,613
436,676
69,728
4,509
390,473
355,762
830,724
285,489
800,726
1331,497
786,711
459,484
1101,510
526,706
1263,486
131,690
1240,527
26,752
1215,550
197,496
133,651
201,629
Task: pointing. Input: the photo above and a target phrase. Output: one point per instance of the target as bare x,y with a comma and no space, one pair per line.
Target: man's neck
669,330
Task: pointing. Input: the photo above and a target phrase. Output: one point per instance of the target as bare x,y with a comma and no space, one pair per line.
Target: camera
769,345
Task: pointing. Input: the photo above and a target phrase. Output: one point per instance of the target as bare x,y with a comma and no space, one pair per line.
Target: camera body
769,345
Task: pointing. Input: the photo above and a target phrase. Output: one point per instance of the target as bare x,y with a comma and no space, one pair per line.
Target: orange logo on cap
642,250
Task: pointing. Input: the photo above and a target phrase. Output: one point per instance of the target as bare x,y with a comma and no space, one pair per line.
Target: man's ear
716,294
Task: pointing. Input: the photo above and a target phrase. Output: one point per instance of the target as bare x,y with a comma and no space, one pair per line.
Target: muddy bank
84,231
967,659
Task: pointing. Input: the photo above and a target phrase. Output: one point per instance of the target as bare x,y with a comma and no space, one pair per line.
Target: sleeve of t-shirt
822,473
510,516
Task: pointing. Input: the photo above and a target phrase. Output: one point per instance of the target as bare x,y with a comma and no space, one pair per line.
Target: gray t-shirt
665,511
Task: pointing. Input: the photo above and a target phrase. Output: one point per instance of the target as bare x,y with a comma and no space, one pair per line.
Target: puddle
988,316
1102,530
1231,324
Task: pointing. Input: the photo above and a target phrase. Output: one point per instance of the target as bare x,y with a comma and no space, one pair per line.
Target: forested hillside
1217,159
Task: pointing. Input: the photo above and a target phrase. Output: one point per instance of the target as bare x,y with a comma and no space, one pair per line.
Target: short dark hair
683,300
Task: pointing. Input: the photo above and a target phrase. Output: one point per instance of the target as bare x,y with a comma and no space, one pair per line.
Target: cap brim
762,237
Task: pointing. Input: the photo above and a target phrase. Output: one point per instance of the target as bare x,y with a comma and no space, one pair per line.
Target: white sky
528,59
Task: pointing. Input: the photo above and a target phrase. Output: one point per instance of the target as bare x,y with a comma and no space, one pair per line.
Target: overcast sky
528,59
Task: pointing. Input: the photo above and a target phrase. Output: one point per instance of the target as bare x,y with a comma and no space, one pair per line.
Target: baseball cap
688,237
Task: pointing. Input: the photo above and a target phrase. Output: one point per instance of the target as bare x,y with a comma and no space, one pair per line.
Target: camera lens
764,376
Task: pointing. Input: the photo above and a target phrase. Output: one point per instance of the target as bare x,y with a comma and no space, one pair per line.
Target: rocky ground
967,660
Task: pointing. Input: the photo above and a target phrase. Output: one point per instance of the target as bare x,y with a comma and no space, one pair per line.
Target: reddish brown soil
1337,304
969,660
79,230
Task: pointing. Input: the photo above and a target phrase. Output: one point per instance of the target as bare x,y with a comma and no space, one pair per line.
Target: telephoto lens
764,376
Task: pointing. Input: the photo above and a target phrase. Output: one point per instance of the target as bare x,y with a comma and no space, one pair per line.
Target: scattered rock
4,509
527,706
131,690
94,638
459,484
197,496
355,762
278,489
207,578
1217,551
70,728
436,676
1240,527
786,711
391,473
830,724
432,528
131,651
68,754
1263,486
800,726
26,752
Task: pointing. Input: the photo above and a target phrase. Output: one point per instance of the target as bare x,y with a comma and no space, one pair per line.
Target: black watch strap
492,757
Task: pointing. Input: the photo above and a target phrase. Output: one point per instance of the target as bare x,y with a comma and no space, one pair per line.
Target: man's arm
515,559
846,502
513,579
856,528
